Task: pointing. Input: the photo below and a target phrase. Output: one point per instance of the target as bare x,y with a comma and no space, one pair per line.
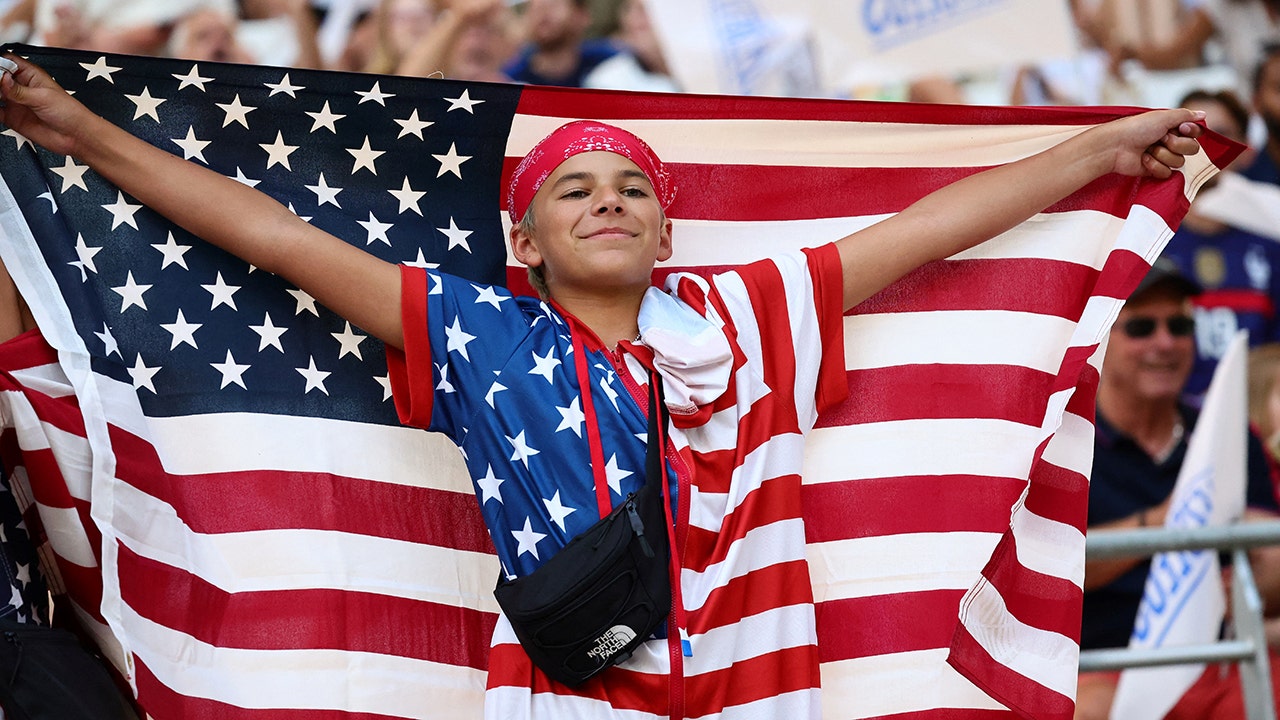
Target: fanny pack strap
659,418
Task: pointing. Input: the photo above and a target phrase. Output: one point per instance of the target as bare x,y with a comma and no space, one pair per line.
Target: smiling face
1151,369
599,227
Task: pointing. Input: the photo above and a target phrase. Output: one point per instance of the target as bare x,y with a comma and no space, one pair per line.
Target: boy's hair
537,277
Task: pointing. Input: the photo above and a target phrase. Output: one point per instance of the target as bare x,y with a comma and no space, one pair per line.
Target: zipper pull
686,645
637,526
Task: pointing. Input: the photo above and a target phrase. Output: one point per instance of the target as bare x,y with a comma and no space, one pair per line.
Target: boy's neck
613,317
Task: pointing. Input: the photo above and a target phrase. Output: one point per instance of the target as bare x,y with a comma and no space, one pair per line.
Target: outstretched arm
979,207
247,223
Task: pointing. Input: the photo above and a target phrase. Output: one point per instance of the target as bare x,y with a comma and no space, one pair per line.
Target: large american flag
239,519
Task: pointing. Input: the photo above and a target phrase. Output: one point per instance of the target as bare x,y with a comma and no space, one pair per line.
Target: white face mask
691,353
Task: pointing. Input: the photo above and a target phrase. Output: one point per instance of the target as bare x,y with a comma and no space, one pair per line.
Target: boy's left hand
1155,143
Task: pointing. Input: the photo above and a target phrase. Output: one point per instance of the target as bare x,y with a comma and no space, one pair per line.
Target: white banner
1184,601
819,47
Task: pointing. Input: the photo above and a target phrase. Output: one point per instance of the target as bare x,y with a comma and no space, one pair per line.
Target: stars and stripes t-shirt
498,375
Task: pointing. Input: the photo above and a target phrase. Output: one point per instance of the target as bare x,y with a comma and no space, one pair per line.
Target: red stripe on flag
612,105
1033,285
303,619
775,586
999,681
941,391
886,624
267,500
745,193
938,503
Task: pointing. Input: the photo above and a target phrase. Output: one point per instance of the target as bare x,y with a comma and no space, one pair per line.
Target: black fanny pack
595,601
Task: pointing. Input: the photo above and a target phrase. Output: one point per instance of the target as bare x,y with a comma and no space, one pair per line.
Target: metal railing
1248,645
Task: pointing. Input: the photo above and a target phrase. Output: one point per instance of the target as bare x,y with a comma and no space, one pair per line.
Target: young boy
536,392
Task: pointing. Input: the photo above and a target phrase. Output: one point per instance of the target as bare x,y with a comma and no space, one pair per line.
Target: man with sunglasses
1142,430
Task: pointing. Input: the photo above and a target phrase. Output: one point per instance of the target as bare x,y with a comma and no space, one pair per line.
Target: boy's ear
664,241
524,248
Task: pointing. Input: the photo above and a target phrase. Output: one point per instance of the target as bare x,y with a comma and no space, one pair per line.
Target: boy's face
598,226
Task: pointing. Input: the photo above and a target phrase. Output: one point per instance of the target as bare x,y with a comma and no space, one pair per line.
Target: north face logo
613,640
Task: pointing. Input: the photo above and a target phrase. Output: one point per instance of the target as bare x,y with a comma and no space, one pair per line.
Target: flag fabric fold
249,533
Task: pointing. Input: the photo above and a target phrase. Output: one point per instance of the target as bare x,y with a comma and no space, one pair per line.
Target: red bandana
578,137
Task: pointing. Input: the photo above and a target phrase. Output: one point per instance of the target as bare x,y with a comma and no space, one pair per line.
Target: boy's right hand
36,107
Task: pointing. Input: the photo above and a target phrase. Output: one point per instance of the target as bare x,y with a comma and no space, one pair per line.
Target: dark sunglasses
1143,327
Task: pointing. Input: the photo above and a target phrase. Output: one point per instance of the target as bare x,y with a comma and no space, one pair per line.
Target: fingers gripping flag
250,533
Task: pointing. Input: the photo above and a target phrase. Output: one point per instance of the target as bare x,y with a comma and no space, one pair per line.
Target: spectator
399,25
1264,395
1266,103
1242,27
469,40
1142,431
1239,271
207,35
643,66
279,32
557,53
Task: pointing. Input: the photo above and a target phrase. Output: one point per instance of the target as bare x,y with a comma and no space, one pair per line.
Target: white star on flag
278,152
365,156
145,105
268,334
222,293
487,294
451,162
99,68
172,252
304,302
349,342
314,376
192,147
324,193
142,375
72,174
463,102
236,112
86,253
374,94
376,229
131,292
408,197
325,119
110,347
284,86
192,79
232,372
122,212
457,236
182,331
412,125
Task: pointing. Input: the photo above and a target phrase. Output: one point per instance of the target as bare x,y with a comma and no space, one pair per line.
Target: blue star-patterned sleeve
457,335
